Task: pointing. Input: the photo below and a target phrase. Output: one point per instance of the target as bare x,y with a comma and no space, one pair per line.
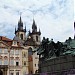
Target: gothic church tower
20,32
35,34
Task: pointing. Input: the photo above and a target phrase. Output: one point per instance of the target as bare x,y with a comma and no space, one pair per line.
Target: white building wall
35,62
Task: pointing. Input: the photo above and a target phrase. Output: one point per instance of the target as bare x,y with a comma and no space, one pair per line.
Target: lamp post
9,60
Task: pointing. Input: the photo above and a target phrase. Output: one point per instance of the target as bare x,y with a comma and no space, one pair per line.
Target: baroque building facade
10,57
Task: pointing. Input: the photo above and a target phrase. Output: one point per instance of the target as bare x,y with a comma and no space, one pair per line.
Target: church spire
25,28
39,31
20,20
15,30
34,27
20,24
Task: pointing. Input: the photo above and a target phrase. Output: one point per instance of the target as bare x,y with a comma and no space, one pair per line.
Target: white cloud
54,17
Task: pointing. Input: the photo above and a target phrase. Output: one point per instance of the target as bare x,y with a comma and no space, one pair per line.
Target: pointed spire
74,30
20,24
33,21
25,28
20,21
39,31
15,30
20,17
29,31
34,27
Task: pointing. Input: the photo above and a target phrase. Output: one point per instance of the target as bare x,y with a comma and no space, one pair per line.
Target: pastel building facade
10,57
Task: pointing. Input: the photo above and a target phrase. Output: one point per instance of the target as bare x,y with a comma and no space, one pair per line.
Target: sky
55,18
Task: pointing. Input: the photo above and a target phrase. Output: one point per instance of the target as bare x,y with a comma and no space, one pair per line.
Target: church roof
3,38
30,42
18,40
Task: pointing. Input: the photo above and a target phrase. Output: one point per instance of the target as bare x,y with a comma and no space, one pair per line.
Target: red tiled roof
9,42
4,38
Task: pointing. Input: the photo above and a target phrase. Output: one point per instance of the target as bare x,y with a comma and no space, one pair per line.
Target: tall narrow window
37,38
17,63
0,61
12,74
17,73
12,62
17,52
0,50
24,63
5,50
21,36
35,65
24,55
12,52
5,62
30,51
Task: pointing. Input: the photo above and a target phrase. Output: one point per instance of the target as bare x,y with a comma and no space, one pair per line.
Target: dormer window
14,43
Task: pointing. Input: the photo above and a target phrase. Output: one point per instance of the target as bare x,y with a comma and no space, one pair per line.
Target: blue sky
55,18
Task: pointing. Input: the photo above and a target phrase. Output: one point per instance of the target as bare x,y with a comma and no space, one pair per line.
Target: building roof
3,38
18,40
30,42
9,42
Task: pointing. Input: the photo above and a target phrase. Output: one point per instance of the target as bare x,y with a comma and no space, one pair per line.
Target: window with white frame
17,52
5,50
24,54
24,63
24,73
14,43
17,73
12,62
0,50
11,73
0,61
17,63
6,62
12,52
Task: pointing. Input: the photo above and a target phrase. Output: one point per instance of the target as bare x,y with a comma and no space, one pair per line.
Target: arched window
37,38
24,63
21,36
